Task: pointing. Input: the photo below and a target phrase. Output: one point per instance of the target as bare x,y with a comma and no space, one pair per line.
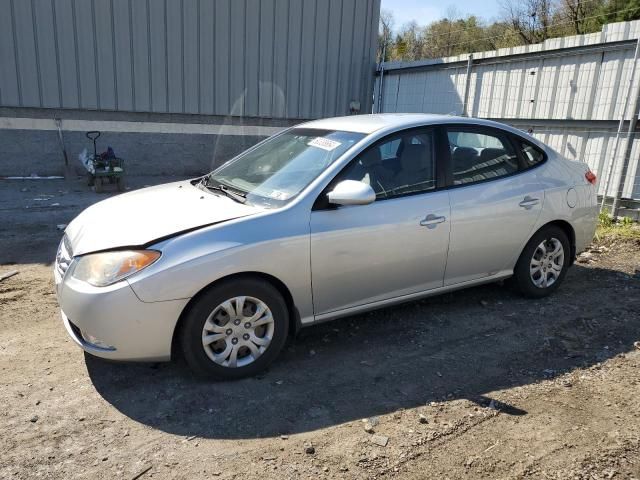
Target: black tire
192,327
120,184
522,277
97,184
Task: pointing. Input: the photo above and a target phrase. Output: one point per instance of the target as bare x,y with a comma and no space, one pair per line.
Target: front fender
276,245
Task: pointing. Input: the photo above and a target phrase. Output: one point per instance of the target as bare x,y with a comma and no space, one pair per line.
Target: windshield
277,170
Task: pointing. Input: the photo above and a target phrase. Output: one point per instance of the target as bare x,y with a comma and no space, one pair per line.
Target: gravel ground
476,384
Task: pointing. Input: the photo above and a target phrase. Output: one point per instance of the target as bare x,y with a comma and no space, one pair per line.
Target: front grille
64,256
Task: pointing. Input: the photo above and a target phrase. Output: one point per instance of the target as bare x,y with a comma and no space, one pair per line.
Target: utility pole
467,86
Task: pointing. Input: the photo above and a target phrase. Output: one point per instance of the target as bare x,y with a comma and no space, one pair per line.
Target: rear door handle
431,220
529,202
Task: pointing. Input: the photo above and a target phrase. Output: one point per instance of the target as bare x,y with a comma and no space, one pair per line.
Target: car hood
138,218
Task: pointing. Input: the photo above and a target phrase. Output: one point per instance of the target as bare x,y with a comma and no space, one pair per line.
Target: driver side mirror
351,192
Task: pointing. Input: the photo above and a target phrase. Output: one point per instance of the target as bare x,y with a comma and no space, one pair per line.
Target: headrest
464,153
414,157
371,157
491,153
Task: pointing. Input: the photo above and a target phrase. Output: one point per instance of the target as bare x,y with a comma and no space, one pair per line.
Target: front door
396,245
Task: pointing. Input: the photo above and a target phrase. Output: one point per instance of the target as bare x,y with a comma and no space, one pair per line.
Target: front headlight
102,269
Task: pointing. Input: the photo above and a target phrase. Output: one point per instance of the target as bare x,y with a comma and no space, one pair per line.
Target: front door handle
431,220
529,202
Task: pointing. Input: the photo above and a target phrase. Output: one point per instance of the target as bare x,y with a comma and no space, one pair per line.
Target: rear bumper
112,323
587,221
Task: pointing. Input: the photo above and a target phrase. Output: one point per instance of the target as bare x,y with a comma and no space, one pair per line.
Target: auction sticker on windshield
324,143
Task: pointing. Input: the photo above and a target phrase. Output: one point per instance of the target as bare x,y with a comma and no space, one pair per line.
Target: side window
531,155
478,156
402,164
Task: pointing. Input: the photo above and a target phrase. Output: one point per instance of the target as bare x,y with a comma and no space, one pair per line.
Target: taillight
590,177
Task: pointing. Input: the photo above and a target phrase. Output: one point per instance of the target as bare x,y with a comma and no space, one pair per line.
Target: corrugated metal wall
582,78
255,58
584,85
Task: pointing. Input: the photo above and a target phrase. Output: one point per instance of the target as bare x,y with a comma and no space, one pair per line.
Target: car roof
371,123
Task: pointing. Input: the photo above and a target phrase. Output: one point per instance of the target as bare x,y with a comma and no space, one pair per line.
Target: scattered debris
141,473
4,276
585,257
34,419
309,448
637,345
423,418
373,421
368,428
61,226
284,437
380,440
491,447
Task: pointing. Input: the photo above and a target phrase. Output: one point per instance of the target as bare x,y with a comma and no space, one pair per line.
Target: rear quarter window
531,154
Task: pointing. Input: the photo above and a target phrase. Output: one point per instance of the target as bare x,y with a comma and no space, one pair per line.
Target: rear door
494,203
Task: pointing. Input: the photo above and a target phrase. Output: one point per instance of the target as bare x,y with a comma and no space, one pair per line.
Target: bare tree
409,42
385,31
578,16
530,19
575,12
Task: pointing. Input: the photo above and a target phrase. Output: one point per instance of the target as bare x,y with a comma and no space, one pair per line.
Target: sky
427,11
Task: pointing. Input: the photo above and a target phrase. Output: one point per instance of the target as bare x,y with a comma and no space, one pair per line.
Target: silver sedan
326,219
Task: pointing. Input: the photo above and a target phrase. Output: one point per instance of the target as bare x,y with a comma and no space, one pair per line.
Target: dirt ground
476,384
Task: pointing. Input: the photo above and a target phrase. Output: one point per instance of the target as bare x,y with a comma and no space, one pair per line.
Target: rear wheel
235,330
543,263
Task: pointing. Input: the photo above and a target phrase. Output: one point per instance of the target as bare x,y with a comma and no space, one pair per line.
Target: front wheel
236,329
543,263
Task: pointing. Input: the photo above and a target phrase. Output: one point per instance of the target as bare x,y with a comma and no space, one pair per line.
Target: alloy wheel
547,263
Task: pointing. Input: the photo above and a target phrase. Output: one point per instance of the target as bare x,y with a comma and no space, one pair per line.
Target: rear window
477,156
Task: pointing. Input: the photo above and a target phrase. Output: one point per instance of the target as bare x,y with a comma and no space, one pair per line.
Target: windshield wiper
234,195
